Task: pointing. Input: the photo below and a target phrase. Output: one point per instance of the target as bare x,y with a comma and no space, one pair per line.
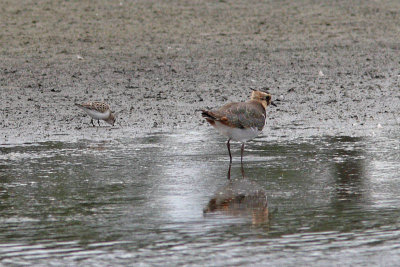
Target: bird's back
95,106
250,114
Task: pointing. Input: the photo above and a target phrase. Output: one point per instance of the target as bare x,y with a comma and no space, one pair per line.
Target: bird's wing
97,106
249,114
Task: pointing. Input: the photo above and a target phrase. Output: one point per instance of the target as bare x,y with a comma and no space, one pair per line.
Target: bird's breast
237,134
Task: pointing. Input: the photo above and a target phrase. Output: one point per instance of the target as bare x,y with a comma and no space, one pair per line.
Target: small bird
241,121
98,111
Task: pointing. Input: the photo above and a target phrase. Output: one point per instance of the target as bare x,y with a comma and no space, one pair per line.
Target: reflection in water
240,197
348,170
150,200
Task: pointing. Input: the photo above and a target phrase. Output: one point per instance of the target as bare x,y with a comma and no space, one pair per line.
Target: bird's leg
91,121
98,121
229,171
228,144
229,150
241,158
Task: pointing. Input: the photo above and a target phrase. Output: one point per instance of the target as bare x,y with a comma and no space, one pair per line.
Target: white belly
236,134
98,115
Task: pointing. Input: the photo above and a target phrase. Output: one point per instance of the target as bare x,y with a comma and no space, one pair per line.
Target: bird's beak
273,103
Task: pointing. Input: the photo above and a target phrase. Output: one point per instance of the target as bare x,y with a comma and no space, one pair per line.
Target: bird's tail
208,115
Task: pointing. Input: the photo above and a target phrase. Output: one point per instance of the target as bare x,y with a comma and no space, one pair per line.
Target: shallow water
331,200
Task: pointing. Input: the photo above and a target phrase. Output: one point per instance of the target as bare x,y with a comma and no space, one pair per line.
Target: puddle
147,200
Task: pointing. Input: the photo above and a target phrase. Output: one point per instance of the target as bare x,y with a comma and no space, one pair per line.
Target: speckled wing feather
250,114
97,106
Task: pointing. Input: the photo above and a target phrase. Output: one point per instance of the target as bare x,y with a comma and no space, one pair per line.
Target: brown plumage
240,121
98,111
95,105
242,115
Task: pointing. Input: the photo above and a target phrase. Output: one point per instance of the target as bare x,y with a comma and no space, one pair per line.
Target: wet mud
332,67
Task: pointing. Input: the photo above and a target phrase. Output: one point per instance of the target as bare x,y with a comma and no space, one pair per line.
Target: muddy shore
332,66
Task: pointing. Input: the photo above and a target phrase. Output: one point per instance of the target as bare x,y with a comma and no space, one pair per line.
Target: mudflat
331,66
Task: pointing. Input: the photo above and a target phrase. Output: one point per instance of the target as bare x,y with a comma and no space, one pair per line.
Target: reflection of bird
242,198
240,121
98,111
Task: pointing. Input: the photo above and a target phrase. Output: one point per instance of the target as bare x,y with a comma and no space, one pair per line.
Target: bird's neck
258,100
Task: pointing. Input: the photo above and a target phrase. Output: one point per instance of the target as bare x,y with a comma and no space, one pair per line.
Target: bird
98,111
240,121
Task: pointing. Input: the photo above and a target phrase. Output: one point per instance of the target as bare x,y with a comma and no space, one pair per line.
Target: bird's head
111,119
263,97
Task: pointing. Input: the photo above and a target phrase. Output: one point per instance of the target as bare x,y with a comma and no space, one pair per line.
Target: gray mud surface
333,66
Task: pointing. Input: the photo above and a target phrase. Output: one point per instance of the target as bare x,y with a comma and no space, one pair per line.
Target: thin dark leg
98,121
229,171
228,144
91,121
229,150
241,158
